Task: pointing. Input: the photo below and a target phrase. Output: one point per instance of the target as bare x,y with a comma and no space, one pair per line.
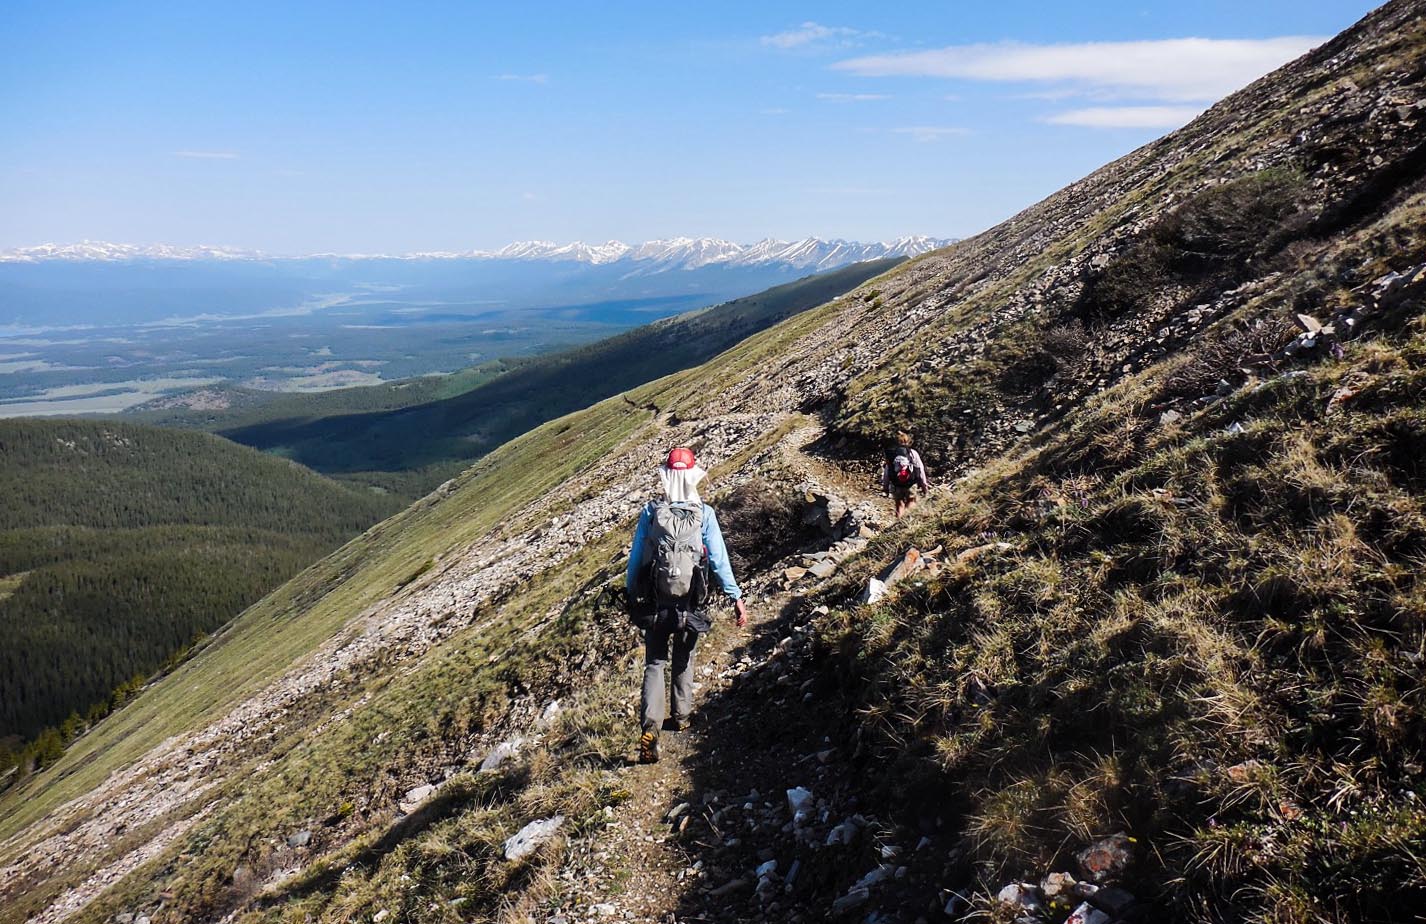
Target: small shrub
1219,232
1211,360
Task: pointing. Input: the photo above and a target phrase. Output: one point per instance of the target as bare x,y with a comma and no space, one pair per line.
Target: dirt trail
686,844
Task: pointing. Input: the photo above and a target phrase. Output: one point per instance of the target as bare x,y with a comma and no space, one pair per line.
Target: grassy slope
1103,674
439,437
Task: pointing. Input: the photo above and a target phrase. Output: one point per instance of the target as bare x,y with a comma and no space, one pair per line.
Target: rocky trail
725,826
766,808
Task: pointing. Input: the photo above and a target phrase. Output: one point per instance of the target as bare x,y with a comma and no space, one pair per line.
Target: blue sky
384,127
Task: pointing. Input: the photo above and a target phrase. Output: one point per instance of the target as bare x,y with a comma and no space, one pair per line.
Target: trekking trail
701,824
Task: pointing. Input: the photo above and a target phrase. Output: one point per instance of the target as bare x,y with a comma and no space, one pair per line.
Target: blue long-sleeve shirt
712,541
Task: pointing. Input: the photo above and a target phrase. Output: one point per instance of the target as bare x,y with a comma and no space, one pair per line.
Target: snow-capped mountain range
677,253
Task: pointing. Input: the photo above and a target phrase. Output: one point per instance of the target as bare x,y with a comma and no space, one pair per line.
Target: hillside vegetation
411,447
1169,646
121,545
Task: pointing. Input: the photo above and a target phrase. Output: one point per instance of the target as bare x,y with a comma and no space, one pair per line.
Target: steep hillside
121,544
1165,659
414,447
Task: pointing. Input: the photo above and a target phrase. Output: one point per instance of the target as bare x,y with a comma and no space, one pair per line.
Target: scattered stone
823,569
791,876
124,918
418,794
530,837
1169,417
1087,914
1056,885
1021,895
1106,858
604,909
381,915
876,876
972,554
300,839
766,869
728,887
1113,900
502,752
674,813
794,574
551,712
875,590
853,899
799,802
844,833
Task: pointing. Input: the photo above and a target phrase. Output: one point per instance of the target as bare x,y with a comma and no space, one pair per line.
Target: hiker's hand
742,612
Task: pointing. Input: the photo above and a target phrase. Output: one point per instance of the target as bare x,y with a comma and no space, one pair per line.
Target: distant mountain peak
651,256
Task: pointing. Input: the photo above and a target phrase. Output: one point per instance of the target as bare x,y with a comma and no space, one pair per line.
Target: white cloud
1126,116
206,155
853,97
524,78
811,33
1179,70
927,133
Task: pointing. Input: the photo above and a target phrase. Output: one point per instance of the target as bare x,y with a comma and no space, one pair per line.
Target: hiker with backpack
902,473
677,545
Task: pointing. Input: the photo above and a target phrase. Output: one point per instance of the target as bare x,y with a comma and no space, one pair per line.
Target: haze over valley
99,328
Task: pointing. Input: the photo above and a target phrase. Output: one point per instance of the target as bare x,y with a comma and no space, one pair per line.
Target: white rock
530,837
1020,895
799,802
501,753
1087,914
875,590
418,794
381,915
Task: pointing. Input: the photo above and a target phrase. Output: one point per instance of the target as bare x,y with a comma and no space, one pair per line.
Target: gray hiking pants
657,642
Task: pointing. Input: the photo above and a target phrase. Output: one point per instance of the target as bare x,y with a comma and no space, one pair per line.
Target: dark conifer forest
121,546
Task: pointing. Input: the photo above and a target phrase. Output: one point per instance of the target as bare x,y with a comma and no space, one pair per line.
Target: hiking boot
677,725
649,747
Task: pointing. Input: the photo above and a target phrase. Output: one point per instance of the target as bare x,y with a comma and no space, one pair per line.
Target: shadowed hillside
1162,658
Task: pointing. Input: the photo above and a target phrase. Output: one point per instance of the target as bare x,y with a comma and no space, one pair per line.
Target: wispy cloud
206,155
853,97
928,133
1175,70
1126,116
524,78
813,33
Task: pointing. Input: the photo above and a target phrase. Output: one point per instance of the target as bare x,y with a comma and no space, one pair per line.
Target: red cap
680,459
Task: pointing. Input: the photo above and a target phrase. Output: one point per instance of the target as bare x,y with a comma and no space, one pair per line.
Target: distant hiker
676,545
902,473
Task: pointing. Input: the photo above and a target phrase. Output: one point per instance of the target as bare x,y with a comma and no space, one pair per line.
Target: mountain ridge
672,253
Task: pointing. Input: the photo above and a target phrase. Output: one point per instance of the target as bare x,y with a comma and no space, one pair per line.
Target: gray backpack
675,549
